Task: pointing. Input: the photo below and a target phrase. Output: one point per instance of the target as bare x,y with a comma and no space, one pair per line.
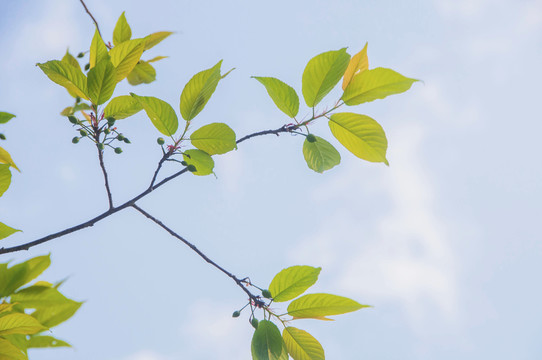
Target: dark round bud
311,138
254,322
127,141
120,137
160,141
87,66
266,294
184,163
191,168
118,150
101,146
77,100
73,119
83,132
2,136
75,140
236,314
80,55
107,131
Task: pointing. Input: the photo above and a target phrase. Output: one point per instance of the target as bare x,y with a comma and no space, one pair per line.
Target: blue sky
445,243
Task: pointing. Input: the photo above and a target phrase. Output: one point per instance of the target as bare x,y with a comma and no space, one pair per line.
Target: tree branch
106,179
93,19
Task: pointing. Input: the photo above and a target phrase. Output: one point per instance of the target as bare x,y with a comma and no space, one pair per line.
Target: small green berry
107,131
311,138
73,119
2,136
101,146
184,163
75,140
160,141
87,66
127,141
80,55
120,137
83,133
77,100
191,168
236,314
266,294
254,322
118,150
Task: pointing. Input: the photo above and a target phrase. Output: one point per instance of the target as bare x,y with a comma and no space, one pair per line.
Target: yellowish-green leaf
155,38
19,324
67,111
267,344
5,307
358,64
5,178
198,91
322,73
125,56
122,31
5,117
320,155
361,135
70,59
318,306
215,138
301,345
55,315
375,84
41,341
101,82
283,95
81,106
18,275
98,50
157,58
8,351
67,76
160,112
6,231
122,107
143,73
5,158
293,281
203,162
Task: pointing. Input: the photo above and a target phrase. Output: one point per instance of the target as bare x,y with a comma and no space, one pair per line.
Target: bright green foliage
361,135
293,281
6,231
301,345
125,56
358,64
215,138
8,351
157,58
267,344
143,73
101,81
322,73
12,278
318,306
283,95
66,75
203,162
45,342
122,107
160,112
198,91
69,59
19,324
320,155
5,178
98,50
5,158
155,38
5,117
122,31
375,84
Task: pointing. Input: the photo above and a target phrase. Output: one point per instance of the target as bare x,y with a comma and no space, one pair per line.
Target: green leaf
322,73
6,231
19,324
122,107
122,31
98,50
5,117
101,82
143,73
69,59
301,345
198,91
361,135
267,343
125,56
5,178
18,275
53,316
215,138
160,112
5,158
157,58
155,38
41,341
283,95
293,281
67,76
375,84
81,106
67,111
320,155
5,307
358,64
318,306
8,351
203,162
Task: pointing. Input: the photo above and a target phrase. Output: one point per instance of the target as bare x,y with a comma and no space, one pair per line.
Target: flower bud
80,55
107,131
311,138
254,323
118,150
191,168
127,141
120,137
83,133
73,119
101,146
2,136
266,294
160,141
184,163
75,140
236,314
87,66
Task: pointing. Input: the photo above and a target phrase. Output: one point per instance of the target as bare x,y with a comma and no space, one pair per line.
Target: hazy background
445,243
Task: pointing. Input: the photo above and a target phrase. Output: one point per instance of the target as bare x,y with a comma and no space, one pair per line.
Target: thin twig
93,19
106,179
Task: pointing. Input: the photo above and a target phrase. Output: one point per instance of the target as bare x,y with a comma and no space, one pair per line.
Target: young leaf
125,56
81,106
67,111
67,76
6,231
155,38
361,135
143,73
375,84
122,107
41,341
318,306
203,162
215,138
69,59
16,276
198,91
5,117
55,315
160,112
157,58
19,324
98,50
267,344
5,178
301,345
320,155
122,31
322,73
358,64
282,95
5,158
9,351
293,281
101,82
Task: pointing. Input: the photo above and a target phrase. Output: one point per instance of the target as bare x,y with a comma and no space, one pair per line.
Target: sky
445,243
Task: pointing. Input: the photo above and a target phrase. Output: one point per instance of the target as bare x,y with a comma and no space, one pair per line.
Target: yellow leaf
5,158
358,63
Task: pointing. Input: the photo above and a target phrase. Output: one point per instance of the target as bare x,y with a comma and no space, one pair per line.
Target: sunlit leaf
5,158
122,107
70,59
155,38
42,341
18,275
81,106
215,138
67,111
157,58
6,231
98,50
318,306
101,82
8,351
283,95
267,343
361,135
143,73
5,178
67,76
5,117
19,324
322,73
203,162
122,31
198,91
301,345
320,155
293,281
125,56
5,307
375,84
55,315
358,64
160,112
